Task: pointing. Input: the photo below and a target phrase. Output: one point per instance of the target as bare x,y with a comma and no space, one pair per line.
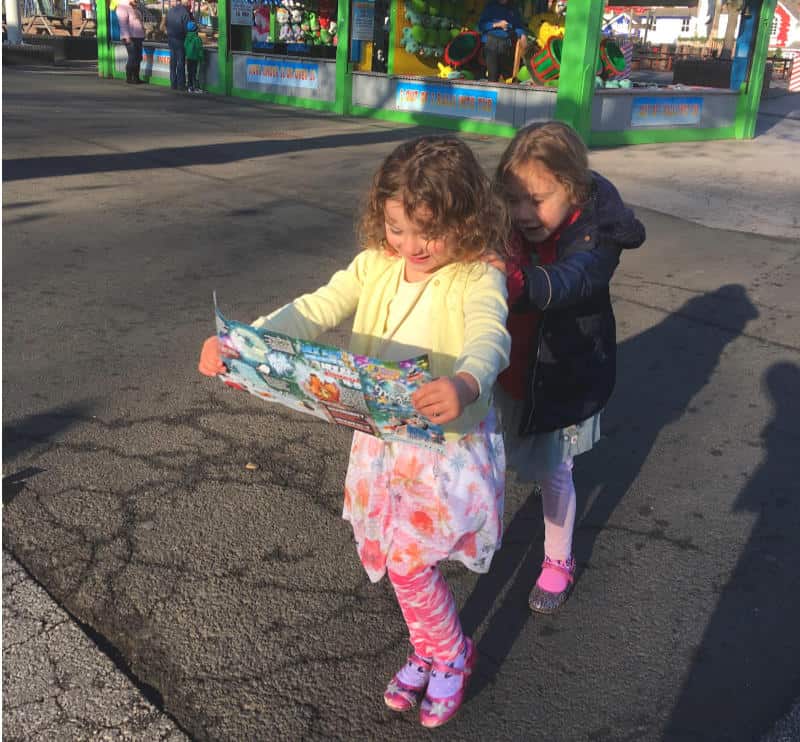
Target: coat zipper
532,377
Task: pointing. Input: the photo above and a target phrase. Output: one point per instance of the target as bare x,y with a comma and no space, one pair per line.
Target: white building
786,25
662,24
670,25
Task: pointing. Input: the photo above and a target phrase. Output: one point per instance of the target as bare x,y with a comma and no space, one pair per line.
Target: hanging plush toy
261,24
544,25
283,19
314,25
325,35
298,35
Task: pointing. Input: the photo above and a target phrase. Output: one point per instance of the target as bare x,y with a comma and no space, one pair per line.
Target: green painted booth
362,58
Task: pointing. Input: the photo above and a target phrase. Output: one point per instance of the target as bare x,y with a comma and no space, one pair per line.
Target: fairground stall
155,57
422,61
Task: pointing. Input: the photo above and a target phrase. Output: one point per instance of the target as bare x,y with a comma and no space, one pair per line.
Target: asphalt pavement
230,599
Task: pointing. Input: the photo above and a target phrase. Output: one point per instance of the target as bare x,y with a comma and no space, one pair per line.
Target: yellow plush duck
545,25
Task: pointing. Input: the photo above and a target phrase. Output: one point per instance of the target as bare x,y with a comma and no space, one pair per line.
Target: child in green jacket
194,56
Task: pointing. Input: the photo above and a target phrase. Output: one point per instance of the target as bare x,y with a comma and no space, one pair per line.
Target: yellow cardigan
468,322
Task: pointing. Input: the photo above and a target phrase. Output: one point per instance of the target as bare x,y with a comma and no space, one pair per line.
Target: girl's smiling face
538,201
423,255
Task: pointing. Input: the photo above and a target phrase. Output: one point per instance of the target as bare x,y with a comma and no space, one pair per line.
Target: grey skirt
533,457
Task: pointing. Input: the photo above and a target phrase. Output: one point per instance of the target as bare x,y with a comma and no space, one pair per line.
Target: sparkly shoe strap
566,567
446,667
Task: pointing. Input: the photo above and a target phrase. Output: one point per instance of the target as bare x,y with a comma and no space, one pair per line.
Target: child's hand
210,360
497,262
443,400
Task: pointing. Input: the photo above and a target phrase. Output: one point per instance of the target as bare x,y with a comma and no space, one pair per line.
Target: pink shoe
436,710
543,601
409,683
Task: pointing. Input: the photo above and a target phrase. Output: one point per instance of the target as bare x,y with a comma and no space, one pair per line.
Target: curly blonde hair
445,192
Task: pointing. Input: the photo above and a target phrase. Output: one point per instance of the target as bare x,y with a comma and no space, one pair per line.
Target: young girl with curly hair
422,285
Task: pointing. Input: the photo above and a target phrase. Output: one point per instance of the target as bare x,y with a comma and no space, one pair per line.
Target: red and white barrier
794,75
627,52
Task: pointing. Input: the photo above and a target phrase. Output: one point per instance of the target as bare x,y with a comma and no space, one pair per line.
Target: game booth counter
422,62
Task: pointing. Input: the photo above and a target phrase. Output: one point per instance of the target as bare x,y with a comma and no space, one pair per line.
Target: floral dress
411,507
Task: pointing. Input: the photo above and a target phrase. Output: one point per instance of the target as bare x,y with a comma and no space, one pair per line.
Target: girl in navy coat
570,229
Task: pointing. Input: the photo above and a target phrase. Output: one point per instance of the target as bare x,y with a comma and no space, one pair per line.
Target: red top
523,326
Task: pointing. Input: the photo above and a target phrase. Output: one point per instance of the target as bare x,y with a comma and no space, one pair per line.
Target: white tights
558,504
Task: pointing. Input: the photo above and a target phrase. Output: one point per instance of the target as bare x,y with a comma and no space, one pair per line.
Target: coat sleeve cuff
540,287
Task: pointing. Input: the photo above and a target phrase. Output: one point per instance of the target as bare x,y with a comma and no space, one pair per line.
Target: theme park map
363,393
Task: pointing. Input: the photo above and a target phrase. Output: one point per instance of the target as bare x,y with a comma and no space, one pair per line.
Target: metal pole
13,29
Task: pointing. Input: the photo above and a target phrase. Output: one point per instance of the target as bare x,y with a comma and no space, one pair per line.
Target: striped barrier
627,52
794,76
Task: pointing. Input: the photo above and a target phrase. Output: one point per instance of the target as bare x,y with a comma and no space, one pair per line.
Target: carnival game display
544,26
310,23
545,65
612,58
433,24
463,57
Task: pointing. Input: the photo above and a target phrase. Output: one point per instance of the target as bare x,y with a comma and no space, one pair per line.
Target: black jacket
572,374
177,18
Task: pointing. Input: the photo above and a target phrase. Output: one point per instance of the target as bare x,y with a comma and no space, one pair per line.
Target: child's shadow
658,371
750,649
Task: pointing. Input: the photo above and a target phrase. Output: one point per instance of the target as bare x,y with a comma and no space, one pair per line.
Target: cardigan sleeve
308,316
486,340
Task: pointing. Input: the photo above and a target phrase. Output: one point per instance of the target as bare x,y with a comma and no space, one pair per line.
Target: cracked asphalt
232,598
58,684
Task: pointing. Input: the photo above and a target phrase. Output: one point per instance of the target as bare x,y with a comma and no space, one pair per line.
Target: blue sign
444,100
666,111
363,20
283,73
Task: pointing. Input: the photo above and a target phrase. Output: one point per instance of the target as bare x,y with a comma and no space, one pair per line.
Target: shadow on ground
207,154
751,649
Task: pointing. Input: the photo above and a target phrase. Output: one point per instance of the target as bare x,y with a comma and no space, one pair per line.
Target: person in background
178,18
501,27
131,31
193,46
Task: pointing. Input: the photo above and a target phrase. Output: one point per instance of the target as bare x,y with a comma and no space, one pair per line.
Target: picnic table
45,24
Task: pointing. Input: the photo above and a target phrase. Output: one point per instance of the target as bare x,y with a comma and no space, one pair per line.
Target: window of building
307,29
684,25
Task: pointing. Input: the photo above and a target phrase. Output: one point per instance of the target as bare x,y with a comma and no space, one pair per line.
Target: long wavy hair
445,193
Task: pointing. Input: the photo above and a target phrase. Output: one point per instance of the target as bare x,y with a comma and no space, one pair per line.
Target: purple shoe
409,683
437,710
